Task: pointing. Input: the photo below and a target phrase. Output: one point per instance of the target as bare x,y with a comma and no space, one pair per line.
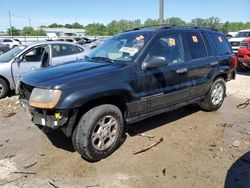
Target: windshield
11,54
123,47
243,35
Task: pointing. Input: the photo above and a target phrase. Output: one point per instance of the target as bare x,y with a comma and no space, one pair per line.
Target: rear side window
7,40
196,45
220,43
63,49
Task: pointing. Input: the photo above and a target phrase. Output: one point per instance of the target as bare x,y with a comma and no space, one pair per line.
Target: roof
246,30
161,27
50,42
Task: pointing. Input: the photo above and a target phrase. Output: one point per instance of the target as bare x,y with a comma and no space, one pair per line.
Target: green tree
27,31
14,31
39,32
55,25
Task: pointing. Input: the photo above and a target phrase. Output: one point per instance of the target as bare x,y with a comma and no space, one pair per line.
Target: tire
4,88
241,67
215,97
91,140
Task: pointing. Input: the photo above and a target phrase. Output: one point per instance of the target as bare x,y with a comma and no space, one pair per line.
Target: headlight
44,98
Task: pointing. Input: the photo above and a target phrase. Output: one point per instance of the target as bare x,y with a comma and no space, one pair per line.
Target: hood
51,77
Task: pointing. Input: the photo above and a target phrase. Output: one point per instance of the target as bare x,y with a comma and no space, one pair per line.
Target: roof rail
167,26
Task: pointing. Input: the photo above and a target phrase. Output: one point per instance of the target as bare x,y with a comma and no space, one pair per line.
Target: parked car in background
77,40
4,48
239,37
244,56
132,76
26,58
92,45
12,43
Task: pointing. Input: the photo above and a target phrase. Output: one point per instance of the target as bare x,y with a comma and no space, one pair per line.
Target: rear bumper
244,59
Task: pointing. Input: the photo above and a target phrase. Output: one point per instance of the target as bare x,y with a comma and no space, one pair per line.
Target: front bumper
54,119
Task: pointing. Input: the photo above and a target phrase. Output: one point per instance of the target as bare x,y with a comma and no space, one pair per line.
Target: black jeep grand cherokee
134,75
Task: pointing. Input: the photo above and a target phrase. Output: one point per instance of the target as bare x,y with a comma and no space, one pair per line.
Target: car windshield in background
11,54
122,47
242,35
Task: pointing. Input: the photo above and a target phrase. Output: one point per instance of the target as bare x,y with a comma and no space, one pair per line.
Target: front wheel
215,97
4,88
98,132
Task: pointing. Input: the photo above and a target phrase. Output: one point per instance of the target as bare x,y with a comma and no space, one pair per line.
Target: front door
168,85
30,60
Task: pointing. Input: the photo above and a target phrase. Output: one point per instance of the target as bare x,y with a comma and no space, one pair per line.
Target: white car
25,58
235,41
11,43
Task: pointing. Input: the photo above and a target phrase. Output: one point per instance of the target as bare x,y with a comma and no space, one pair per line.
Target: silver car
26,58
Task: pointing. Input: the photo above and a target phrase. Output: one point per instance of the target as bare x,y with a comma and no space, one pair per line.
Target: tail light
233,60
248,45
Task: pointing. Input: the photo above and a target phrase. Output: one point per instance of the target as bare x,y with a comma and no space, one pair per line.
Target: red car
244,55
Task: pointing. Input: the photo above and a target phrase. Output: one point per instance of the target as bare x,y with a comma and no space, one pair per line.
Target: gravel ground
199,149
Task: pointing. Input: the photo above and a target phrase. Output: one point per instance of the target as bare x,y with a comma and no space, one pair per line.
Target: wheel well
116,100
224,76
6,80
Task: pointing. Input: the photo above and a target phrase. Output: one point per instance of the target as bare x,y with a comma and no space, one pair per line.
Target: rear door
168,85
201,62
62,53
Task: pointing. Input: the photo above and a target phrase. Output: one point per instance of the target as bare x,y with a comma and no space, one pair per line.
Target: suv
240,36
244,55
132,76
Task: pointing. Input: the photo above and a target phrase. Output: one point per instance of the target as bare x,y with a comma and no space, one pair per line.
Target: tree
13,31
55,25
175,21
27,31
39,32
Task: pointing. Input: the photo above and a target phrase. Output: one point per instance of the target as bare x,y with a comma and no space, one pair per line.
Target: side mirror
154,62
18,59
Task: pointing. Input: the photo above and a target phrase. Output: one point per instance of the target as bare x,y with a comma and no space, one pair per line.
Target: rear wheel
4,88
99,132
215,97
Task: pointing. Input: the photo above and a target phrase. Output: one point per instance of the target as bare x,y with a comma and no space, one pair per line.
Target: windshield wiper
103,59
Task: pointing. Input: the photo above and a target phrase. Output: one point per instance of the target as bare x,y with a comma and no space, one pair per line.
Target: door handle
214,63
181,71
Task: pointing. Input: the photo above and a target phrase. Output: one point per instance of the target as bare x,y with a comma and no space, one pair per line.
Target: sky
103,11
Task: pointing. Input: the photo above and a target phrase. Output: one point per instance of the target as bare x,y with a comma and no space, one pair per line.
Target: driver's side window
34,55
170,47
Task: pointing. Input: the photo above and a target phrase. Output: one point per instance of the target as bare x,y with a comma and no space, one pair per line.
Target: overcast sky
103,11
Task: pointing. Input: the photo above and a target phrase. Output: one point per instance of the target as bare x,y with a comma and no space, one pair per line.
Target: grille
235,43
25,91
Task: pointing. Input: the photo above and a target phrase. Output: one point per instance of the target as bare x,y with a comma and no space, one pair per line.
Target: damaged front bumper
54,119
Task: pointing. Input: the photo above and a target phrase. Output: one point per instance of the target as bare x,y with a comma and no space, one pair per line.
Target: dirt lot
200,149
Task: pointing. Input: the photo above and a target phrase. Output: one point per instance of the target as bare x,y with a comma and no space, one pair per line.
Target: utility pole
10,25
161,12
30,22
